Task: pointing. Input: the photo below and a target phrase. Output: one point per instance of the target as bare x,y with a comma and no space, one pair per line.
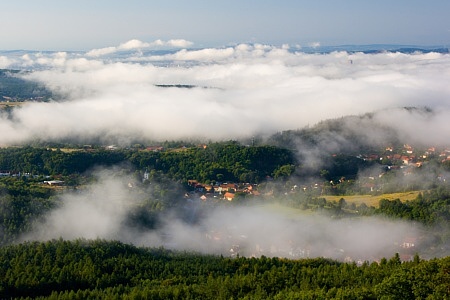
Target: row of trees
112,270
218,161
45,161
430,207
224,161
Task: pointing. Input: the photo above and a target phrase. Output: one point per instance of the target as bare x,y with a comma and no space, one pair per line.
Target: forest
109,269
227,161
98,269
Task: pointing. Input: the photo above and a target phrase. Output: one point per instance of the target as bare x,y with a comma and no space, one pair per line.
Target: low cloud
5,62
314,44
103,211
137,45
236,92
96,212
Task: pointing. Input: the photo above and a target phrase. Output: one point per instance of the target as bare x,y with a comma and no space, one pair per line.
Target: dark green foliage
113,270
45,161
431,207
346,166
219,162
22,201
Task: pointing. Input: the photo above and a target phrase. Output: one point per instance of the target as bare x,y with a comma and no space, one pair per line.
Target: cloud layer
237,92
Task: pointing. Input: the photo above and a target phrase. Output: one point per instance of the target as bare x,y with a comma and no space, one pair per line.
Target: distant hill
350,134
377,48
346,134
14,88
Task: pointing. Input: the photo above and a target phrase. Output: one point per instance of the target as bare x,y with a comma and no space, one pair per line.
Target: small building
409,242
228,196
54,182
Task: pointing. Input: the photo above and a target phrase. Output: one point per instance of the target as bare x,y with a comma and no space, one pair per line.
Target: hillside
112,270
15,89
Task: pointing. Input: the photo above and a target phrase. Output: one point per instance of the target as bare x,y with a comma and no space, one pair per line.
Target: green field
371,200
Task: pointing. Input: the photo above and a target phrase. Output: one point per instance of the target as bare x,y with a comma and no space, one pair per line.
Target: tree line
225,161
100,269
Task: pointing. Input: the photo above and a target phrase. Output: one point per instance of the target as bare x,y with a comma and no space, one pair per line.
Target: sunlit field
371,200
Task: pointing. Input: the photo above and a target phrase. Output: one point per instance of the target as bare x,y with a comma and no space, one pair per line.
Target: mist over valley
349,121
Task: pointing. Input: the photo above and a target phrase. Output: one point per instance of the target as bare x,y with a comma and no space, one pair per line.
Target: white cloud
5,62
179,43
135,44
103,211
250,89
101,51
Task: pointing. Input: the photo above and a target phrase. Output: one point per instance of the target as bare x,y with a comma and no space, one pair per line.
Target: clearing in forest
373,200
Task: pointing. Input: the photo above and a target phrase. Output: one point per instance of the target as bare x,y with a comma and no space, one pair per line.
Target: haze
102,211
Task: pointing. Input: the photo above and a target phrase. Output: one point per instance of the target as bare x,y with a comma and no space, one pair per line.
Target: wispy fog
234,92
103,211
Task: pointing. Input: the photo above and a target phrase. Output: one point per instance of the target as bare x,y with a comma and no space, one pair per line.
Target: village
404,160
234,241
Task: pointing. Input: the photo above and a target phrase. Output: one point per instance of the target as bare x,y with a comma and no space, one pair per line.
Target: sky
87,24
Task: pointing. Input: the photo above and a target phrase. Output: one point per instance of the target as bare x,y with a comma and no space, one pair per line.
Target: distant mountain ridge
369,49
378,48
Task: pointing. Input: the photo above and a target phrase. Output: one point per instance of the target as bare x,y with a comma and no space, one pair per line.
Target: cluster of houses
226,191
8,99
407,156
20,174
406,160
16,174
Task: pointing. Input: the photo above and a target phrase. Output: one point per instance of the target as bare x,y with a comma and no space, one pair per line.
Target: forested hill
111,270
352,134
346,134
227,161
14,88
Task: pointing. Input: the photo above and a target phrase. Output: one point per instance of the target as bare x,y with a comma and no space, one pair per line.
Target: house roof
229,196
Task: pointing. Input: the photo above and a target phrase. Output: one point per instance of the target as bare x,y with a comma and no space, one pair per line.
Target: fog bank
115,93
103,211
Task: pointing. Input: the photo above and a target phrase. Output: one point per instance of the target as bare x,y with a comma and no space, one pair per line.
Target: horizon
297,47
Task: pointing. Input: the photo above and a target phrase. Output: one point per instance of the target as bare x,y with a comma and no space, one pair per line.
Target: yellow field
370,200
11,104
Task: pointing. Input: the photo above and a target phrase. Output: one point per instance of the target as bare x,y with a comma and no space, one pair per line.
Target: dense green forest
99,269
226,161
